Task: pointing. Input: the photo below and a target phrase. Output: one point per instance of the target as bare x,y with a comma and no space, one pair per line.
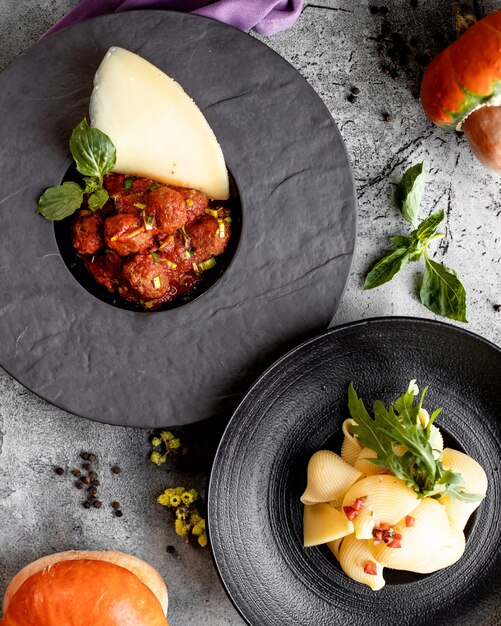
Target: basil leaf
93,151
98,199
56,203
401,241
428,226
410,192
442,291
386,268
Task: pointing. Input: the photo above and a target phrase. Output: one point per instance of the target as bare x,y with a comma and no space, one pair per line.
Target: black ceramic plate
293,257
296,408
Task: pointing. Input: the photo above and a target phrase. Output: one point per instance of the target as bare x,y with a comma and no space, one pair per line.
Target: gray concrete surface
333,45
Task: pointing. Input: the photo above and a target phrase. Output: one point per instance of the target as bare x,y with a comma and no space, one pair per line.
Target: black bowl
296,408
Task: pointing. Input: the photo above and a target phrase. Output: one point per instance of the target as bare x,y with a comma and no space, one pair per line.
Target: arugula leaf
386,268
410,192
442,291
399,426
59,202
93,151
428,226
98,199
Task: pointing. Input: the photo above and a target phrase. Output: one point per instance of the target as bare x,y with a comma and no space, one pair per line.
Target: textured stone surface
334,46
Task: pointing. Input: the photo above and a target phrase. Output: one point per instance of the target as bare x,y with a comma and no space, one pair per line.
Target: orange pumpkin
461,88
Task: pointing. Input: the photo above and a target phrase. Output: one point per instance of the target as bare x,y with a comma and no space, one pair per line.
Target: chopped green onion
189,202
156,282
189,254
140,205
132,234
154,186
170,264
207,265
185,235
221,230
195,268
154,256
212,212
128,183
114,238
167,242
148,304
227,219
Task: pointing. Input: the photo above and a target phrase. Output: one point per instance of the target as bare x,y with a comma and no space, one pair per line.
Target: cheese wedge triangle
157,129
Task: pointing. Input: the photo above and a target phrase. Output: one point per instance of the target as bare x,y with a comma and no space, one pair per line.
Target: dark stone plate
296,408
288,273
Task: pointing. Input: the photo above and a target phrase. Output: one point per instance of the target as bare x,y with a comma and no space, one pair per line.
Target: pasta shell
362,464
329,477
475,482
353,557
350,448
431,544
386,499
334,547
323,523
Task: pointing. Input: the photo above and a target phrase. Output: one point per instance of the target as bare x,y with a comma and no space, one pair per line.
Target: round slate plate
296,408
284,282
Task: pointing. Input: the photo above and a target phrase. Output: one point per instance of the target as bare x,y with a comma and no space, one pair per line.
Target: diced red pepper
384,526
358,504
395,543
350,512
370,568
378,534
397,536
409,521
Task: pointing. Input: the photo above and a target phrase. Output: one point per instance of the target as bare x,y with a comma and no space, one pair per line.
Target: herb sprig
441,289
420,466
94,155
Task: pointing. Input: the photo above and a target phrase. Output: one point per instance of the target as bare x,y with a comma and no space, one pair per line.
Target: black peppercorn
387,117
92,491
95,482
93,475
355,91
86,480
374,10
115,504
86,466
383,10
84,456
118,513
76,473
116,469
97,504
351,98
59,471
171,549
79,484
87,504
92,458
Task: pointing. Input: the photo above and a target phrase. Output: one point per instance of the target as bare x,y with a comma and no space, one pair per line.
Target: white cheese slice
157,129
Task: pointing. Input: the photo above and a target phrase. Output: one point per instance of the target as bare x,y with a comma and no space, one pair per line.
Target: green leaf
56,203
386,268
442,291
401,241
98,199
410,192
428,226
93,151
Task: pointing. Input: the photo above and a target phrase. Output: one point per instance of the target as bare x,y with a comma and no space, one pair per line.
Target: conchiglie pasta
350,448
436,439
354,555
364,465
427,546
386,499
329,477
475,482
323,523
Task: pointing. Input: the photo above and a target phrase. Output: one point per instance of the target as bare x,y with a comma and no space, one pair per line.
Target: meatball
168,207
106,269
86,232
125,234
147,275
196,202
129,203
205,237
177,252
113,183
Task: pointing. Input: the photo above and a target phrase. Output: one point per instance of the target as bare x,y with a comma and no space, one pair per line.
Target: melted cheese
157,129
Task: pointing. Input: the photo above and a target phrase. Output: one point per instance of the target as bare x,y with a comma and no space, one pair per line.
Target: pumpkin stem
464,18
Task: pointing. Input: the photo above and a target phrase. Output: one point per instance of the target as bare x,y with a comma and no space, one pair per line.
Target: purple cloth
265,16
